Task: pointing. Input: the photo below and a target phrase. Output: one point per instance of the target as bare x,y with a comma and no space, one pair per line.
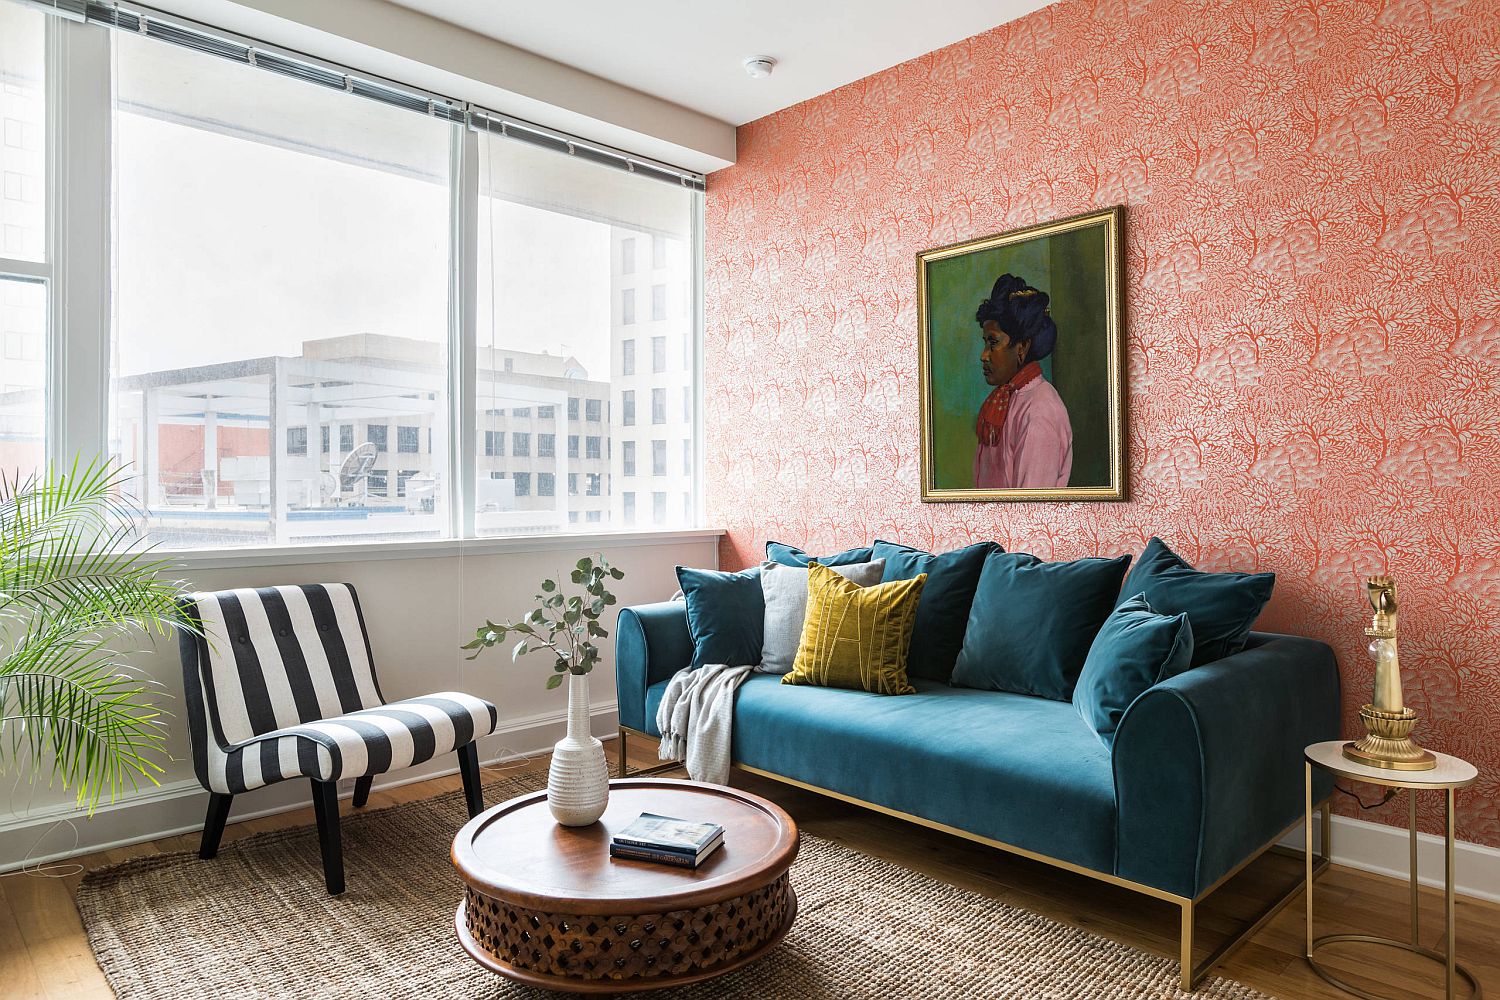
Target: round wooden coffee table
547,906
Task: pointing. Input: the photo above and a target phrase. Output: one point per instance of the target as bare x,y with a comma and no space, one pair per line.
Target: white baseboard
1386,850
42,834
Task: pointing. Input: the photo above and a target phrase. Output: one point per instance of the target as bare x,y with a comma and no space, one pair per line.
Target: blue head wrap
1022,315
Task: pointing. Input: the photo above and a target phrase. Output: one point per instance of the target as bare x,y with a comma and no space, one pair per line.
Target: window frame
78,274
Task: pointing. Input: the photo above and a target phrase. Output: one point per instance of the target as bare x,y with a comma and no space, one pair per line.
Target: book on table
666,840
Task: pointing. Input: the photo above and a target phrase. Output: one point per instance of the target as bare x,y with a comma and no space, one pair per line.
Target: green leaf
554,681
560,665
617,574
585,564
576,576
519,651
549,586
597,607
609,599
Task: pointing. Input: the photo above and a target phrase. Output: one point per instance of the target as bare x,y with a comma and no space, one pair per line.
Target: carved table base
625,952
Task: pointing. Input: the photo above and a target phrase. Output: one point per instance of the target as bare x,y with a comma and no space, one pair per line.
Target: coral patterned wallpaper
1312,193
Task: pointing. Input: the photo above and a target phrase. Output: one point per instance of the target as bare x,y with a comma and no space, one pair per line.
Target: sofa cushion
1135,649
785,591
1221,606
952,578
856,637
725,612
1032,622
790,555
1024,771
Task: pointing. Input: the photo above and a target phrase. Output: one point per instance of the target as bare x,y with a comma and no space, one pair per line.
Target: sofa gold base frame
1193,973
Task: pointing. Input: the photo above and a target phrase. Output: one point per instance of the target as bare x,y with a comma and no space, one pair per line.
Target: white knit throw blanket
696,719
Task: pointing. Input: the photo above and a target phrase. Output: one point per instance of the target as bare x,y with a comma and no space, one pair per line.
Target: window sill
302,555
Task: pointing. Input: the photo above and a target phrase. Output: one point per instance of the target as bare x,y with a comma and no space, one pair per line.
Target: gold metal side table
1450,775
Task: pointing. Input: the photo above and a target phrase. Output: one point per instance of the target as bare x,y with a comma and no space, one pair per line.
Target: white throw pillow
785,590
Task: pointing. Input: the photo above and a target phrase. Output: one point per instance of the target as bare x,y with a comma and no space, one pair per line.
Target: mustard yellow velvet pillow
856,637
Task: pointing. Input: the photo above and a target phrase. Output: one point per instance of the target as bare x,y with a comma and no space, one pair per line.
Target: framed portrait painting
1021,364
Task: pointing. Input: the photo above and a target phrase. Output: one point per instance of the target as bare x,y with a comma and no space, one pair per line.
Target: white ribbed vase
578,782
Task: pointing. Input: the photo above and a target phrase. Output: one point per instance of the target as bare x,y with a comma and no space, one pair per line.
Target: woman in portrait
1025,438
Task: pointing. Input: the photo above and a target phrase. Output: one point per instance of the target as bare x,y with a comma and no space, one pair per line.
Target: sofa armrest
652,643
1208,765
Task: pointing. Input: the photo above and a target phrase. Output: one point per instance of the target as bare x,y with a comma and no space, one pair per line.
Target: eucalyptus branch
563,623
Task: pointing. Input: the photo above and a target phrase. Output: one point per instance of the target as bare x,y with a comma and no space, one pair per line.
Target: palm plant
77,595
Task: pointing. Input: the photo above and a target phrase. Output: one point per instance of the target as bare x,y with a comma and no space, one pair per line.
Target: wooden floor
44,954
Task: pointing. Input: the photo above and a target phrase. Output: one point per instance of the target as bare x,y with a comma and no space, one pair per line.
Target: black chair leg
326,806
362,790
468,763
213,825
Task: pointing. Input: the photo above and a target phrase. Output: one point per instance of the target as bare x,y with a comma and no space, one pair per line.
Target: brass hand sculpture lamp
1388,722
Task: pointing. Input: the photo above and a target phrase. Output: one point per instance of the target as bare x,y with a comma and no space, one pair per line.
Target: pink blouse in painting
1035,448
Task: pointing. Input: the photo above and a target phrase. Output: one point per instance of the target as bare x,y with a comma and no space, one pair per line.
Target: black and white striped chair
282,685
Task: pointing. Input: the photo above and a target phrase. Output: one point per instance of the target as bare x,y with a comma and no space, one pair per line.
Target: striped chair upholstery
282,685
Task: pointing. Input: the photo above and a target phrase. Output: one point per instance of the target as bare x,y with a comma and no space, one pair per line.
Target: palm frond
74,587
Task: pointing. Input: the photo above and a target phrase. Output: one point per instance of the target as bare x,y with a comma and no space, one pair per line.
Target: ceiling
691,53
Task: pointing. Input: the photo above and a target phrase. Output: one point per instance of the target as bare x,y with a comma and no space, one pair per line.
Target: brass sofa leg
1315,865
625,769
1189,981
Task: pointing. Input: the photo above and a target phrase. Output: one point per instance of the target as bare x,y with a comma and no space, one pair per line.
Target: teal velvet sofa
1206,772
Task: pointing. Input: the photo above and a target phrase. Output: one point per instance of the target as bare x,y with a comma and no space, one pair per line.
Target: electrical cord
1390,793
49,869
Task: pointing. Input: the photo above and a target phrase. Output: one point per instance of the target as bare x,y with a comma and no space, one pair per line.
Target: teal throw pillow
790,555
952,577
725,614
1135,649
1221,606
1032,622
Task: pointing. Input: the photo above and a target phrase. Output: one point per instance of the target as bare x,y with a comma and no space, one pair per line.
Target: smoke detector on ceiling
759,67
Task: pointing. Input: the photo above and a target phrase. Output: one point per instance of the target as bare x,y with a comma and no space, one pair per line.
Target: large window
282,262
276,293
561,248
24,268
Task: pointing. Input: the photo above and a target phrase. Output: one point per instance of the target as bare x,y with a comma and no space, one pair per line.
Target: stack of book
667,841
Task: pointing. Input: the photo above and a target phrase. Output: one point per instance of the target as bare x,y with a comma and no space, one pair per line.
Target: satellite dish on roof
355,470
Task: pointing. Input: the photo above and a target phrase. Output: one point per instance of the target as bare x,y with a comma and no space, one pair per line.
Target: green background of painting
1072,267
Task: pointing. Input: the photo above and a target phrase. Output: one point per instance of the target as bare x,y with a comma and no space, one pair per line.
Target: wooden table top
516,851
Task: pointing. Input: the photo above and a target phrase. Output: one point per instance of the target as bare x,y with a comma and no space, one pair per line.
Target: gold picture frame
1077,264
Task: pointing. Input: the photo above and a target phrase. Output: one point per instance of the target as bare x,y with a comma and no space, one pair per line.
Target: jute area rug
256,922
